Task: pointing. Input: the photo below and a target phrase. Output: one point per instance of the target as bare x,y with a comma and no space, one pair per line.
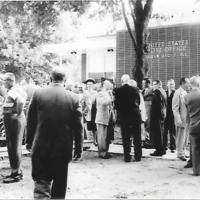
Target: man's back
57,117
192,101
127,100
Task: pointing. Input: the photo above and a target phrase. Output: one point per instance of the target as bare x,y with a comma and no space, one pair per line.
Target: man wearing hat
89,107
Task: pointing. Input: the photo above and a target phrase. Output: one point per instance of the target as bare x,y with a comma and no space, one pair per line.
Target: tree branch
131,9
147,11
128,24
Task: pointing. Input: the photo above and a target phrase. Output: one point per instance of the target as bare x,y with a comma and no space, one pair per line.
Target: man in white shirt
14,122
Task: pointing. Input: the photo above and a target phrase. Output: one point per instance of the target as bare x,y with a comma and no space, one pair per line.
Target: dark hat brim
90,80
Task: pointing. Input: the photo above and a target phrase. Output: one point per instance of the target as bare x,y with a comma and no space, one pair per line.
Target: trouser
148,108
102,139
156,134
190,159
127,131
169,128
78,145
14,128
195,144
50,177
180,141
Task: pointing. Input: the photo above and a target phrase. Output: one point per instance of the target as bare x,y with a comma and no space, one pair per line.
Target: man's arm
176,107
116,99
78,137
186,104
31,121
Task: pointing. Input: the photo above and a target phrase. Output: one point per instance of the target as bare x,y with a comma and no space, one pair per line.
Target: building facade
174,52
93,57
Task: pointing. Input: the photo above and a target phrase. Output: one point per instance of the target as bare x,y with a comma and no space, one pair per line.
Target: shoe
107,156
85,148
147,145
14,177
137,159
188,165
77,158
183,158
172,151
155,153
127,158
95,144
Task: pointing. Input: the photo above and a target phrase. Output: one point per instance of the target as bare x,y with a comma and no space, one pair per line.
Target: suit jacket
103,105
179,107
170,116
54,117
127,101
158,107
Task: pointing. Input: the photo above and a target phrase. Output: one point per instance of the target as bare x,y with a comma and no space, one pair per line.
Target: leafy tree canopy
24,26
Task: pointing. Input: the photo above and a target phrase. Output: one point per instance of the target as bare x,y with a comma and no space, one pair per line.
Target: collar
57,84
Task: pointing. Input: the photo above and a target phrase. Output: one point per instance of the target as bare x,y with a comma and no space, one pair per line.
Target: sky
178,11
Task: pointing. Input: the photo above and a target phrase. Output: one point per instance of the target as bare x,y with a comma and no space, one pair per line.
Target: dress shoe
127,158
77,158
107,156
196,174
188,165
183,158
137,159
155,153
147,145
86,148
14,177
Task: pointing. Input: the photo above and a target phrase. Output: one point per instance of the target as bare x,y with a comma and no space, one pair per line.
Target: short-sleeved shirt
10,103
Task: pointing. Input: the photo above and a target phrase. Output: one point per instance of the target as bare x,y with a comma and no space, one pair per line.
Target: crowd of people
57,118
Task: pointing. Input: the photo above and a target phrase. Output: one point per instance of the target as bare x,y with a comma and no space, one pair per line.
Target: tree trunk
140,15
139,72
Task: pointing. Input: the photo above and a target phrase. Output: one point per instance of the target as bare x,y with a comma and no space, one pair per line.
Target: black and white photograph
100,99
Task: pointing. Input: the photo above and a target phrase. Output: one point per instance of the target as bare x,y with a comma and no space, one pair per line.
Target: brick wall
174,52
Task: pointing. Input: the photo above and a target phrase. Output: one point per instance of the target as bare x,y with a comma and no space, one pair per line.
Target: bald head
125,79
195,82
133,83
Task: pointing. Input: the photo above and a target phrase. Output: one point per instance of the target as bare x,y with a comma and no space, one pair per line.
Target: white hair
195,81
132,83
125,79
107,84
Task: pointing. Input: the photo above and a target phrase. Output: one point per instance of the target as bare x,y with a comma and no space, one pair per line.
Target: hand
28,147
179,122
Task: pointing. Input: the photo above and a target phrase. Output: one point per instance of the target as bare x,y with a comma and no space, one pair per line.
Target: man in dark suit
158,114
169,125
54,118
127,101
